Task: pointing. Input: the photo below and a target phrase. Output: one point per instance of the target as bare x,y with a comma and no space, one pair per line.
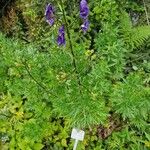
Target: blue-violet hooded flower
85,26
61,36
49,14
84,9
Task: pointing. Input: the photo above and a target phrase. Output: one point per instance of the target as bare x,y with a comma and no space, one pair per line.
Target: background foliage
43,95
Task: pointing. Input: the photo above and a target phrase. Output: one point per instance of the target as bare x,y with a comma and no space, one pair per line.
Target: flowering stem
70,44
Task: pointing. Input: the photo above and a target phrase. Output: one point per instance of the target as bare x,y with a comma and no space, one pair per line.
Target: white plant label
77,134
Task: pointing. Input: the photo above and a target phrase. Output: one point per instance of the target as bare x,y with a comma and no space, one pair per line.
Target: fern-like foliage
133,36
139,35
131,99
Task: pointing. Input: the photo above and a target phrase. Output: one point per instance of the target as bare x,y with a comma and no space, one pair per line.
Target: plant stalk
71,46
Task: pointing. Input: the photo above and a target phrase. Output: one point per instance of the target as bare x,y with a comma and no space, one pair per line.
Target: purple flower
84,9
61,29
61,36
85,26
49,14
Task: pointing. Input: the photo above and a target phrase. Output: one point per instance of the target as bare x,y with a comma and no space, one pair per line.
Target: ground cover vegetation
66,64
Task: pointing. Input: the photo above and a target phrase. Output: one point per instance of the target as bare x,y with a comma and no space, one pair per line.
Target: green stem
35,80
71,46
146,13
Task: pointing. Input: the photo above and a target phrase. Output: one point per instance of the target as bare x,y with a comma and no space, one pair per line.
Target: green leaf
38,146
